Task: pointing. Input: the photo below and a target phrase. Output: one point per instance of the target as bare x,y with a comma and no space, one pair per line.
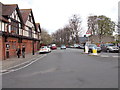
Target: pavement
15,62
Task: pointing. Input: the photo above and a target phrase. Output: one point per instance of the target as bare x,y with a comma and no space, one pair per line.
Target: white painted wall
15,13
3,26
25,33
17,19
31,25
0,25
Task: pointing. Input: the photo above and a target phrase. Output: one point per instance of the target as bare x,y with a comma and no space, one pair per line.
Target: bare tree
92,24
75,25
70,33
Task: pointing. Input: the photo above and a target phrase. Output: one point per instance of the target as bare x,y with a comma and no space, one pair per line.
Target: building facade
17,29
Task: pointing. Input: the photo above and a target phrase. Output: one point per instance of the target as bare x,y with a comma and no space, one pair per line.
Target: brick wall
13,43
2,48
1,45
28,45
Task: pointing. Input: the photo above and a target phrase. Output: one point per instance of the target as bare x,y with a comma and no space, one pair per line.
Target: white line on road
109,56
40,72
115,56
13,70
104,55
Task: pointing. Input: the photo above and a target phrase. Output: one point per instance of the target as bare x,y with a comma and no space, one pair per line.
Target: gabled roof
1,17
25,14
38,27
1,5
8,9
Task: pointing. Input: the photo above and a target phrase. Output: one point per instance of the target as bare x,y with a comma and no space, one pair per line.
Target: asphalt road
66,69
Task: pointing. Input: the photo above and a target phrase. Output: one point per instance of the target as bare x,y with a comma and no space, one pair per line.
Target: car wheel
99,51
91,51
108,50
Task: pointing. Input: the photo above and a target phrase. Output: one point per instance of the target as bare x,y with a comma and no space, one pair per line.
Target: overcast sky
54,14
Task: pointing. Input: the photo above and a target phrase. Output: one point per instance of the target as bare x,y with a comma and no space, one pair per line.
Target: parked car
63,47
71,46
110,48
81,47
91,46
44,49
53,46
76,45
49,46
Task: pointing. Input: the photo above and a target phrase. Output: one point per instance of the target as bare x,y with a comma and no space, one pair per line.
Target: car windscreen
110,45
92,45
44,47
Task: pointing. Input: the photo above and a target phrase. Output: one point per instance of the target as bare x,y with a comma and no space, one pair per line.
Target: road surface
66,69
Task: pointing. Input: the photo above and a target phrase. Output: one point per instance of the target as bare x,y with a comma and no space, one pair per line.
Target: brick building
17,28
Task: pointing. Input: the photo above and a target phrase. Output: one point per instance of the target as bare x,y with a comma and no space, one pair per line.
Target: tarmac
15,62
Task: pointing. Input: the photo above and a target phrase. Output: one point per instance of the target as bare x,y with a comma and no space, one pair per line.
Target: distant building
83,40
104,39
17,28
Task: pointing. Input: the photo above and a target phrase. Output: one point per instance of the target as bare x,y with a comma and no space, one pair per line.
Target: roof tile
25,13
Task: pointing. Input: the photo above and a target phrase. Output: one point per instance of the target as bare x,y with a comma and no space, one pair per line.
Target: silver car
110,48
63,47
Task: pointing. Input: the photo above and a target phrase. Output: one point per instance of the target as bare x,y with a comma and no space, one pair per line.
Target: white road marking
104,55
115,56
13,70
21,64
39,72
109,56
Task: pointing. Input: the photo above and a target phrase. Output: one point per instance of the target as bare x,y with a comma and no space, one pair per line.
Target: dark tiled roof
3,19
7,9
25,13
38,27
1,12
1,5
83,39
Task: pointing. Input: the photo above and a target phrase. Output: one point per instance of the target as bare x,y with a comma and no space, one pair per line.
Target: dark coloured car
53,46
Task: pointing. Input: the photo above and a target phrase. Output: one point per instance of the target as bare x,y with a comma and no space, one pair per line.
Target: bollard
86,49
94,51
